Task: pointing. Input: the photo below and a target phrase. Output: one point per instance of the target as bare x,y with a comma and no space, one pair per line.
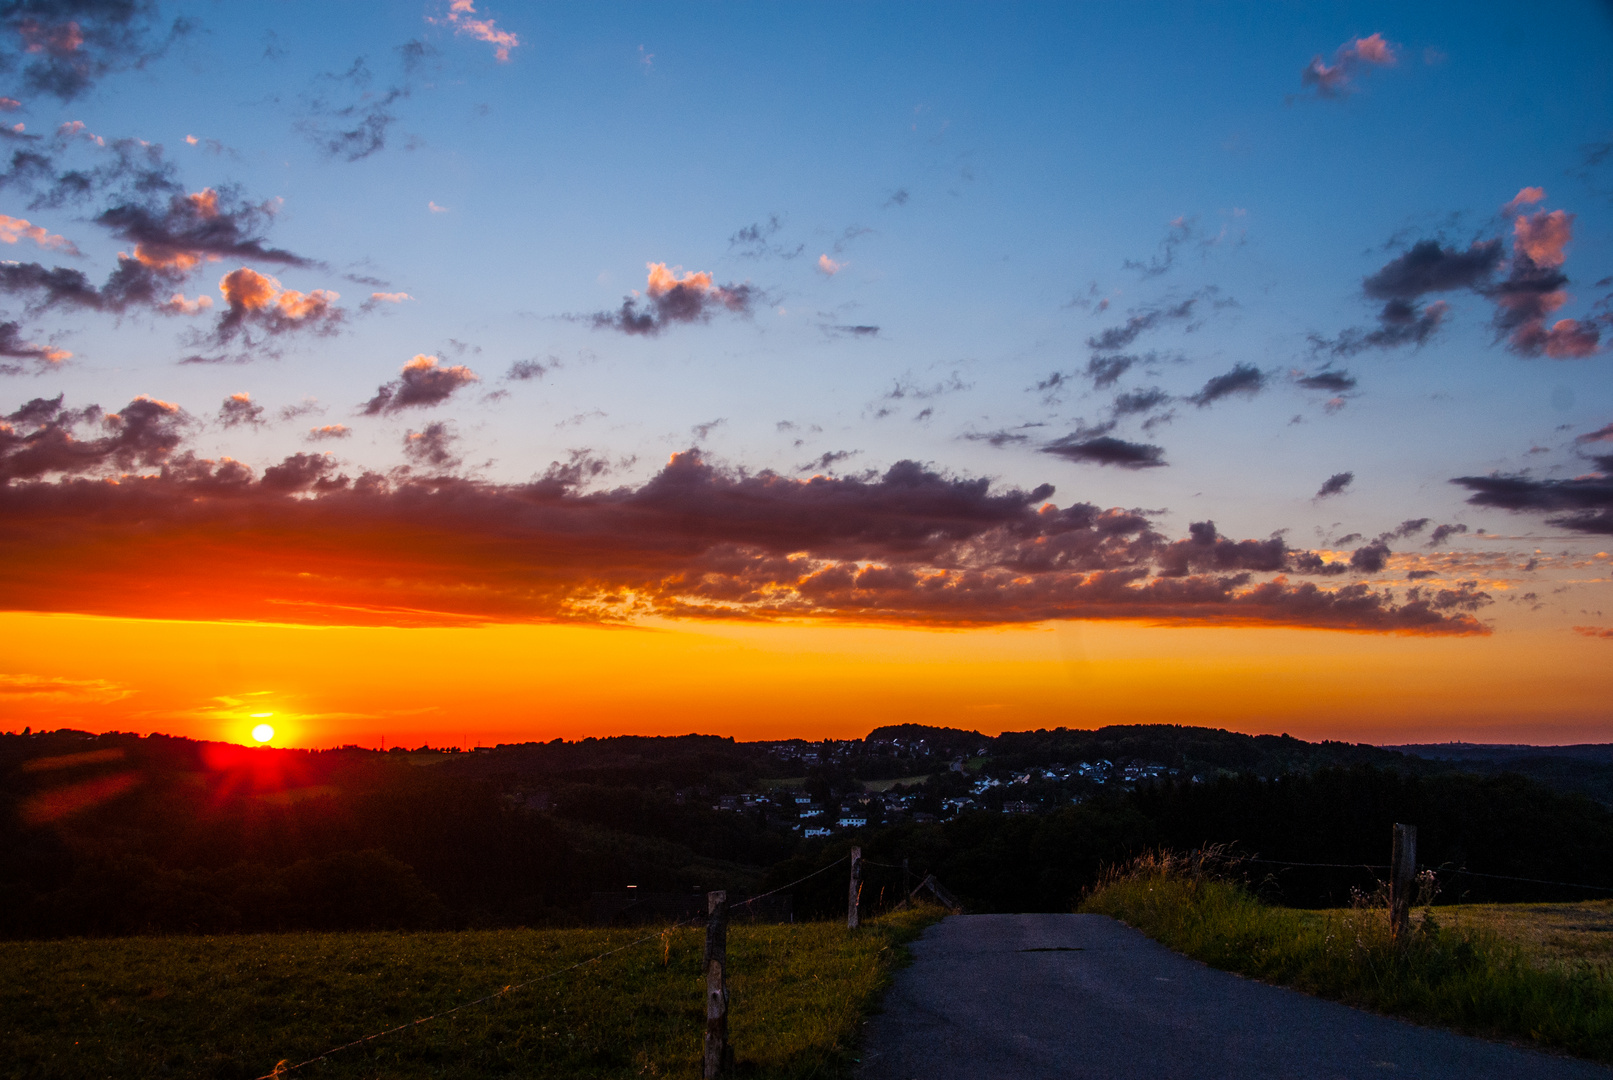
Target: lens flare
263,733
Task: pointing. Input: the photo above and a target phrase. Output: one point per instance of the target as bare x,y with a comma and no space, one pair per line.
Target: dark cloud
1400,322
823,462
1139,401
43,437
855,331
1245,379
756,241
907,388
1407,528
14,347
432,446
1523,303
1179,232
345,117
1106,450
1583,504
998,439
422,383
913,546
525,370
63,47
1328,382
187,229
240,409
899,197
1150,318
670,299
1370,558
1601,434
1442,533
1105,371
1430,267
1206,550
1335,484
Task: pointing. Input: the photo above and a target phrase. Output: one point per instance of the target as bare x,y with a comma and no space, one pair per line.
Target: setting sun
263,733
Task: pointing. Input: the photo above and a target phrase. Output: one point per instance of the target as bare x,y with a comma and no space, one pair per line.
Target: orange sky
332,685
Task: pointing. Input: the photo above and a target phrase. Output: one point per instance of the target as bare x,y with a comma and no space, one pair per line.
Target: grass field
1527,972
232,1007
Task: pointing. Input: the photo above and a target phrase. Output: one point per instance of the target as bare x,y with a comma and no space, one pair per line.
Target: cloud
1400,322
390,297
1179,232
911,546
359,128
1583,504
1543,236
328,432
755,241
432,446
1594,631
669,299
1601,434
13,347
1337,79
1442,533
257,301
1328,381
823,462
421,384
1335,484
42,438
828,267
14,229
1526,197
863,330
1145,319
240,409
434,208
1106,450
1244,379
63,49
899,197
1139,401
1431,267
525,370
461,17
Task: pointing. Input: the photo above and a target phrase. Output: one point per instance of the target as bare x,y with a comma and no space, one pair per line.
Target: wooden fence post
719,1056
855,891
1402,874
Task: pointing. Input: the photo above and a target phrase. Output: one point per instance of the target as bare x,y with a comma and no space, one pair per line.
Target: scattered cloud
824,462
1328,381
526,370
1594,631
14,229
756,241
64,49
669,299
1443,533
327,432
14,347
239,409
1179,232
432,446
1335,484
421,384
1583,504
1107,450
390,297
1336,80
462,19
828,267
256,301
1244,379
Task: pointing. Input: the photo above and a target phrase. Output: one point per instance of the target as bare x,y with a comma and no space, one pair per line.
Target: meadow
1531,973
235,1006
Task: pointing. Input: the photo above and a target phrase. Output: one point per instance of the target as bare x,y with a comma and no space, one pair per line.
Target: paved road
993,997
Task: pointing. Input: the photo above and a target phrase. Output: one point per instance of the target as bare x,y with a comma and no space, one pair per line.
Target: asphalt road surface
1032,996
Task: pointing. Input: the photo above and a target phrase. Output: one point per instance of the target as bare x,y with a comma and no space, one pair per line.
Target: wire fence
285,1068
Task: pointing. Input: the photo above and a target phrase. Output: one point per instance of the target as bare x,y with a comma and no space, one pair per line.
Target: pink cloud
462,17
1335,80
828,266
1526,197
13,229
1543,235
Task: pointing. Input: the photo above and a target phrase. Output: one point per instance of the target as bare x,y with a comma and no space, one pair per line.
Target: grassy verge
1455,971
231,1007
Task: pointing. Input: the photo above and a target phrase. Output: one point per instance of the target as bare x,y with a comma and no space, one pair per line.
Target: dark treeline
117,834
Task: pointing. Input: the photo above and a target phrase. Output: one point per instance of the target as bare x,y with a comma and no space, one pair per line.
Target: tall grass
1462,977
231,1007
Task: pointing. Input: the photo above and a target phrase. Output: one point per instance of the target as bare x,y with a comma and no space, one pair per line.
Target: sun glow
263,733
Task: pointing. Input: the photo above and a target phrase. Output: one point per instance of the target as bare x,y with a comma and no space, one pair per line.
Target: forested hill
118,833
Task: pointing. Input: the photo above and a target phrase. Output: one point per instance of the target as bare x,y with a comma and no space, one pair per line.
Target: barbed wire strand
1435,869
793,884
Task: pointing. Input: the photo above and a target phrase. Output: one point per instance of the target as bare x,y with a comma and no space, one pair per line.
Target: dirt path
993,997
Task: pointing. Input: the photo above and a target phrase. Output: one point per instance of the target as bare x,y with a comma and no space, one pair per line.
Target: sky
466,372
